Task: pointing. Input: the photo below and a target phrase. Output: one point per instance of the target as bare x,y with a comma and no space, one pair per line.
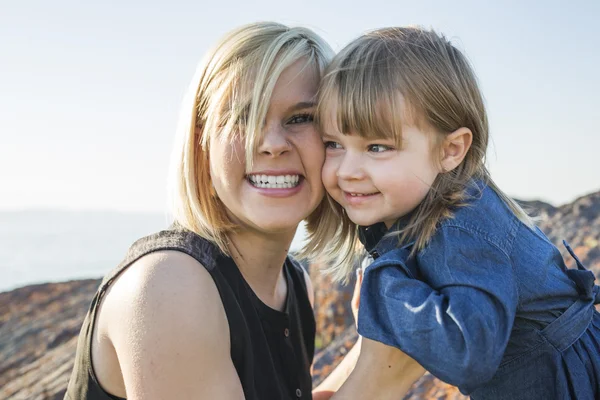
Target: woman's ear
455,148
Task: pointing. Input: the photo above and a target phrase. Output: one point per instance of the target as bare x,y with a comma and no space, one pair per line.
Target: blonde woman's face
284,185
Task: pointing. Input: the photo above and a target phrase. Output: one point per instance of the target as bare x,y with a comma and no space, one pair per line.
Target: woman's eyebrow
303,105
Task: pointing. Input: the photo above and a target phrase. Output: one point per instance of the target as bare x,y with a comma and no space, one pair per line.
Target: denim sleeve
457,320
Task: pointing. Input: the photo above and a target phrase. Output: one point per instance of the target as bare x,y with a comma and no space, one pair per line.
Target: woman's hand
355,302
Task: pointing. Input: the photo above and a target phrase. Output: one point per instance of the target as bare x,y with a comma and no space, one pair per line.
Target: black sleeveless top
271,350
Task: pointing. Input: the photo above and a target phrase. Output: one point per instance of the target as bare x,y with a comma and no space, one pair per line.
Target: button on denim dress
488,305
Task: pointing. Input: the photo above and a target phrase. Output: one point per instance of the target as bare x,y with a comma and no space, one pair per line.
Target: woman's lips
278,192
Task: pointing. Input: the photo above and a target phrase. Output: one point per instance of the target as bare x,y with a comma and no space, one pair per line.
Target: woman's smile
276,184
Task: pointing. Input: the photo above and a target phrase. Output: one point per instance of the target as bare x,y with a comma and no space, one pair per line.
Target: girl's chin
362,220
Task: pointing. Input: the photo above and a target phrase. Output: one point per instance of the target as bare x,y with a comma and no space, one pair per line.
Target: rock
39,323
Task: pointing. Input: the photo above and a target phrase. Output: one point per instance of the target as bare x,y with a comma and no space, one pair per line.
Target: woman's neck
260,259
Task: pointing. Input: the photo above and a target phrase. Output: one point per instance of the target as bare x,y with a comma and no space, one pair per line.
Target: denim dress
488,305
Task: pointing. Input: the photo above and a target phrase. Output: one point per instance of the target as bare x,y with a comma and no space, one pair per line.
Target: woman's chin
270,223
278,227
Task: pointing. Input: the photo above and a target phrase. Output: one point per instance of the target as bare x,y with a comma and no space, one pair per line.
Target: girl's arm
170,331
457,318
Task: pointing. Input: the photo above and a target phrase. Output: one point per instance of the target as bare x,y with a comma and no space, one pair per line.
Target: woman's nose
274,141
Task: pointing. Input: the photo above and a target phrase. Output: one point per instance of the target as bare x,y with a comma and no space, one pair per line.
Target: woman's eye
242,116
241,120
379,148
301,119
332,145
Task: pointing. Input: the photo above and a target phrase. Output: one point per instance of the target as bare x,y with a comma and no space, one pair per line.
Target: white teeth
360,194
274,181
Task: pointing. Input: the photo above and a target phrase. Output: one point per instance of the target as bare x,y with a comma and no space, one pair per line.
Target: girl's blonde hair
411,74
228,96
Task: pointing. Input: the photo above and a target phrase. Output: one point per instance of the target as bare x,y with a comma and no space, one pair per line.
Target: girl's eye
379,148
332,145
301,119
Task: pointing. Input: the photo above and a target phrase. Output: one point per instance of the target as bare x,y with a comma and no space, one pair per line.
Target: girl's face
374,180
284,185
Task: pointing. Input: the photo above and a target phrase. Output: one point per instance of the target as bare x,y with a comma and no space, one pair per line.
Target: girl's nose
350,167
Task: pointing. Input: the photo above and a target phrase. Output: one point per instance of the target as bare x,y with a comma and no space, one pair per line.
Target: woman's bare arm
381,372
339,375
370,370
173,339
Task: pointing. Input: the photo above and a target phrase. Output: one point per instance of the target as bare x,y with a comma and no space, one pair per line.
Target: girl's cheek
328,174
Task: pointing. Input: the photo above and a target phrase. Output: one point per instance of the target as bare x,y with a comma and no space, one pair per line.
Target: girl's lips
359,200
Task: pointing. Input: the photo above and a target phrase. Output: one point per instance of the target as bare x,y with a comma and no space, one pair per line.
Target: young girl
462,281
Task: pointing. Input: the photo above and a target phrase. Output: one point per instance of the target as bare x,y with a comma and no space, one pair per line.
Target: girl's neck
260,259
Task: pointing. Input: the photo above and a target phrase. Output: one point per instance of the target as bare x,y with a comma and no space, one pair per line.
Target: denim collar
375,241
374,237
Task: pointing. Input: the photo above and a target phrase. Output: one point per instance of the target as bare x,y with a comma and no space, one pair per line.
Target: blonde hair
438,90
228,96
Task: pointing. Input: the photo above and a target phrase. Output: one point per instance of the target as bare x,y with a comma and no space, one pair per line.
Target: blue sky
89,93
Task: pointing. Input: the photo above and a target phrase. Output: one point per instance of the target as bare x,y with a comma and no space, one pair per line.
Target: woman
214,308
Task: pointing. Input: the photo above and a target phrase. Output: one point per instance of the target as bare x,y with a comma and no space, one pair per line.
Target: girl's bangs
365,101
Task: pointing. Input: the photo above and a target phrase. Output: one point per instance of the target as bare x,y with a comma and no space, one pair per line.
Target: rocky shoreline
39,324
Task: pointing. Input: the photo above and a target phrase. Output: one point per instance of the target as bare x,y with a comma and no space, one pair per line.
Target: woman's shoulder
162,308
172,239
171,267
161,292
165,278
178,239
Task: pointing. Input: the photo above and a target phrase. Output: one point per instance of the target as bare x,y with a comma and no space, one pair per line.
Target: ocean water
53,246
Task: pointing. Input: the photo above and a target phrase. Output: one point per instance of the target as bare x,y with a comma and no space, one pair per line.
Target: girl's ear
455,148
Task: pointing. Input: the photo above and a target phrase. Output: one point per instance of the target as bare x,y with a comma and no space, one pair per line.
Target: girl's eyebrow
380,140
328,136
